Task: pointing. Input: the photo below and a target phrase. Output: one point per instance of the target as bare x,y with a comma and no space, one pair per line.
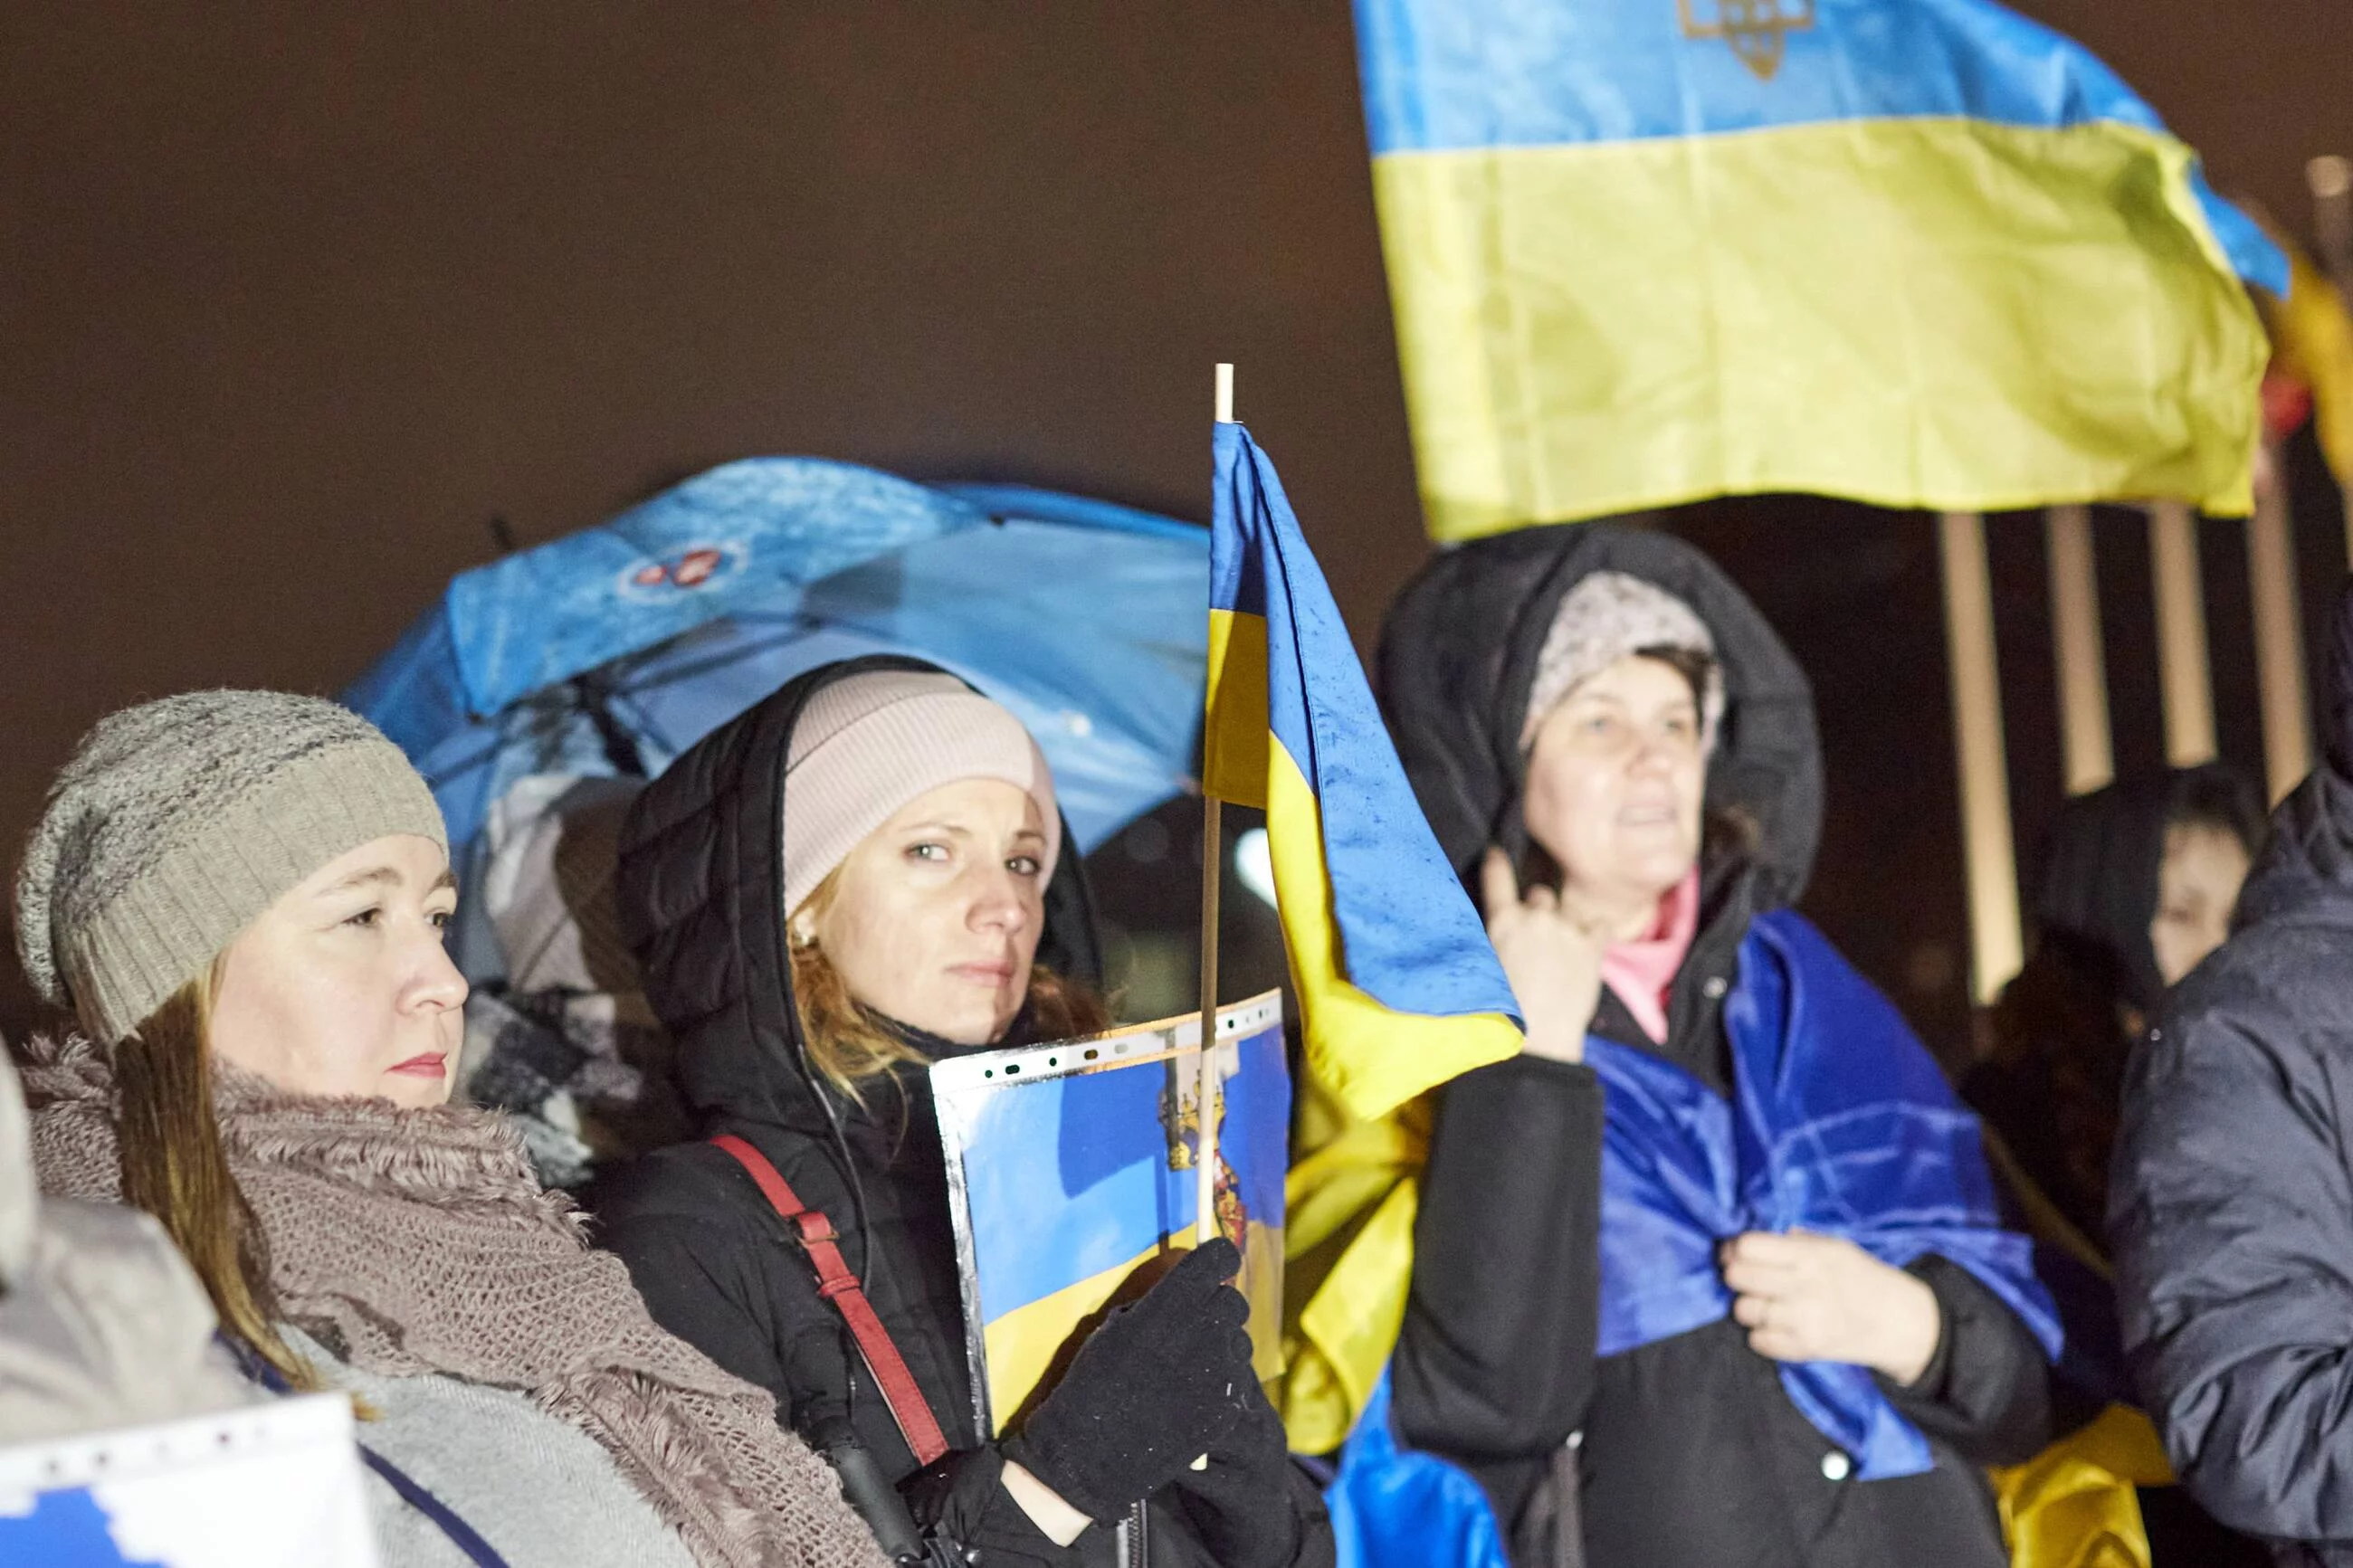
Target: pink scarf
1642,970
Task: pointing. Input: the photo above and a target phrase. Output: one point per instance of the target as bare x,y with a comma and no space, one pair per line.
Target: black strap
462,1536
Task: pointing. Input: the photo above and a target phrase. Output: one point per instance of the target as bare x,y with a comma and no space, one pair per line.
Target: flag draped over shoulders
1921,253
1398,987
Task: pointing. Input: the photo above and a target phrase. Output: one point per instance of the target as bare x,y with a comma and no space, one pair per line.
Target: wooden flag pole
2181,656
1213,857
2279,632
2331,182
1995,944
2086,746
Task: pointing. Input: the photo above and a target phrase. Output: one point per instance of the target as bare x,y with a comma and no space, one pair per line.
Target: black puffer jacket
701,898
1687,1451
2230,1202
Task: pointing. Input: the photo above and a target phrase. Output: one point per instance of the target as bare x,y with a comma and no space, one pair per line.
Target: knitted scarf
419,1244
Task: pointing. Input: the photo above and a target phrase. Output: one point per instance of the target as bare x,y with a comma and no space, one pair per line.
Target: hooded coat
2051,1086
2230,1202
1688,1453
702,904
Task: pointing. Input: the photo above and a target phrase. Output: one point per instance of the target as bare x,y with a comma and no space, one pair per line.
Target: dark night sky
297,298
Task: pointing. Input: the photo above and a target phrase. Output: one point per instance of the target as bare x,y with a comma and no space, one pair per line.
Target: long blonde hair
850,1047
169,1145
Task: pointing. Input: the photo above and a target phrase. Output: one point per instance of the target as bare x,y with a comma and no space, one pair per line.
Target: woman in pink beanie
864,874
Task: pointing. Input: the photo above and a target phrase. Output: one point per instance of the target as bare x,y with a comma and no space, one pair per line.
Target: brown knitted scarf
419,1243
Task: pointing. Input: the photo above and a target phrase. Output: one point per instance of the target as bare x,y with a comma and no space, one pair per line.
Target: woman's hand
1048,1508
1552,959
1158,1385
1804,1297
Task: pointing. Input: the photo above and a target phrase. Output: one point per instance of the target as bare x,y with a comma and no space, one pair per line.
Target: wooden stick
2331,182
1213,857
1997,947
2279,635
1204,1219
2181,656
2085,739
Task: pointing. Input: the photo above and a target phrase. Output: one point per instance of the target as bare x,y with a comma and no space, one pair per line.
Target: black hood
2305,873
1458,656
2099,889
701,890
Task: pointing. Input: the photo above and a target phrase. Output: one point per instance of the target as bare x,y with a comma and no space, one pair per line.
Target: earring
804,935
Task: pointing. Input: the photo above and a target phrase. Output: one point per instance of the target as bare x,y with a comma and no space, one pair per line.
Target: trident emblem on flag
1756,29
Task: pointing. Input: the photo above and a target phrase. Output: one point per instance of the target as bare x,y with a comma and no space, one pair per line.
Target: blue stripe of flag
1408,935
1448,75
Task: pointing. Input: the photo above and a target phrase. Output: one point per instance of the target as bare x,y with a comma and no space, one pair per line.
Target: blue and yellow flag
1399,988
1397,981
2312,332
1922,253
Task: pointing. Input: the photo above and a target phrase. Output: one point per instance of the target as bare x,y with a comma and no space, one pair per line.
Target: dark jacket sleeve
1989,1391
1506,1272
2232,1218
708,1282
712,1282
962,1498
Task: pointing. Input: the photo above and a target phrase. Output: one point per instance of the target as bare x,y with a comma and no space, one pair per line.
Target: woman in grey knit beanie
241,895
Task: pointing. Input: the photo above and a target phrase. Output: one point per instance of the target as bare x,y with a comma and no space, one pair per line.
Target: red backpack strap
837,1285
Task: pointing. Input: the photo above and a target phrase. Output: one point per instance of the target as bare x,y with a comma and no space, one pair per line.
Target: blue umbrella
612,650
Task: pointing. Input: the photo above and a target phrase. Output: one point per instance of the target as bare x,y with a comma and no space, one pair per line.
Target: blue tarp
616,647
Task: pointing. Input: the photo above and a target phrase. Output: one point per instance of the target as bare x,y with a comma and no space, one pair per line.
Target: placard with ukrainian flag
273,1485
1071,1184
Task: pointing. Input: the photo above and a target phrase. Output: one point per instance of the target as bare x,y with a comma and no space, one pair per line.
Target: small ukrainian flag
1921,253
1398,986
1398,983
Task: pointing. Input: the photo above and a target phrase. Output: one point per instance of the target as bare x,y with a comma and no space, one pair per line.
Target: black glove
1252,1507
968,1517
1158,1385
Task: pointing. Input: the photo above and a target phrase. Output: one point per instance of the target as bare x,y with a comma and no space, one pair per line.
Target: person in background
102,1324
1710,1274
241,896
2137,887
2138,883
864,874
2231,1198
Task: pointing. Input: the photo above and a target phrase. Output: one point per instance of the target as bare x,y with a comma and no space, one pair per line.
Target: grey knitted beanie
179,821
1605,616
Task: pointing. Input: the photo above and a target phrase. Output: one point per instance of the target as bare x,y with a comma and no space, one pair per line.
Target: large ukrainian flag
1922,253
1398,987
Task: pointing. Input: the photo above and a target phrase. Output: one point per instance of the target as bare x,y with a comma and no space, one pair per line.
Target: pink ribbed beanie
864,747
